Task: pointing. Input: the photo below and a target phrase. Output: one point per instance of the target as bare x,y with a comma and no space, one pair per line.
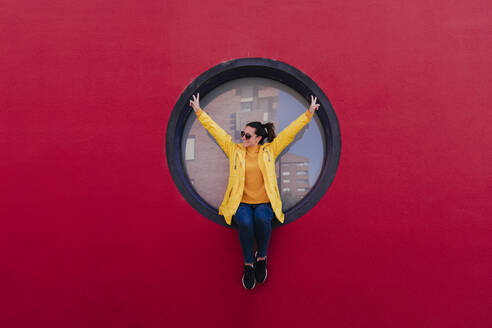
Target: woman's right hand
195,103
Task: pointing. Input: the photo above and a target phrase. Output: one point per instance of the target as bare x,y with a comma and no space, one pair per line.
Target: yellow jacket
266,161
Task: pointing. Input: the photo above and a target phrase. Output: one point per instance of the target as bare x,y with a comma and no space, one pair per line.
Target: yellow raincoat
266,161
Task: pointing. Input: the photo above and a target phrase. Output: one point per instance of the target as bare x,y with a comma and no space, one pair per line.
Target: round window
233,94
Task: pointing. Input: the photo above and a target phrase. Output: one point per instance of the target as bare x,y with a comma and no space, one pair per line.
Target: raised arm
223,138
288,134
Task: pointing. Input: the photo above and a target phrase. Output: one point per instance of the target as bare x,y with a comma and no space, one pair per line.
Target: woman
252,195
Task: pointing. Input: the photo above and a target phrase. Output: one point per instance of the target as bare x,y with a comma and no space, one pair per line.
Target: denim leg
263,215
244,220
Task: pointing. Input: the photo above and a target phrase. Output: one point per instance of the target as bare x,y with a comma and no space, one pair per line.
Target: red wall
93,232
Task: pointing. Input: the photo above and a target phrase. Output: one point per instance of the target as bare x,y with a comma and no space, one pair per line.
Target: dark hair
266,131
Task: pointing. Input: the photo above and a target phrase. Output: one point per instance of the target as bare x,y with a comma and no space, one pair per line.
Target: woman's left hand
314,106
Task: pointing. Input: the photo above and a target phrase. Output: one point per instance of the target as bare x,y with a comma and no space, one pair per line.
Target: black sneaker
249,277
260,269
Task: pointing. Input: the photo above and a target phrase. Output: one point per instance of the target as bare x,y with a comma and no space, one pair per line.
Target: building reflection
207,166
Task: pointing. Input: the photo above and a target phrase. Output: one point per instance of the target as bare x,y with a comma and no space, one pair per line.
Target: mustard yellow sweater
254,187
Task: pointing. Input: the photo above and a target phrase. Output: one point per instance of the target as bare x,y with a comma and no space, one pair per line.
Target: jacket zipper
268,152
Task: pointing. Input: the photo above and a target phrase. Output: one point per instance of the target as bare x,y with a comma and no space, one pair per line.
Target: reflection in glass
231,106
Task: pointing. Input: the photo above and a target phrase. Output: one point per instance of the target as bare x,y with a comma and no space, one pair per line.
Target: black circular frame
242,68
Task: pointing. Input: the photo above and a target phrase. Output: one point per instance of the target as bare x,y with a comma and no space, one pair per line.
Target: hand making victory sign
314,106
195,103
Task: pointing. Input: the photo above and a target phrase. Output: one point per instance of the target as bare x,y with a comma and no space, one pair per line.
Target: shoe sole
254,284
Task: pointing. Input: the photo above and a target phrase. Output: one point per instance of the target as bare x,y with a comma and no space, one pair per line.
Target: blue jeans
254,222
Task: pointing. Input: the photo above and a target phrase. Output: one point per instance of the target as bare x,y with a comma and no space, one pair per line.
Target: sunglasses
246,135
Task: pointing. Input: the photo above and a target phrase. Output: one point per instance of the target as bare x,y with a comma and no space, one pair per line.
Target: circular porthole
235,93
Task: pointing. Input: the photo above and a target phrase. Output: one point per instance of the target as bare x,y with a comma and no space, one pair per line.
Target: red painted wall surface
93,232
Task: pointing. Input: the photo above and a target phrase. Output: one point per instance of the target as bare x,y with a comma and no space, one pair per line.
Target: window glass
236,103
